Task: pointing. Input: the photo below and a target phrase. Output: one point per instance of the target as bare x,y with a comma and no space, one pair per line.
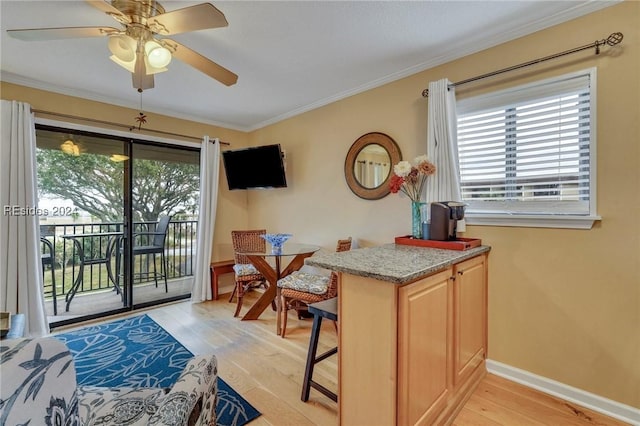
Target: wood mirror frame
373,138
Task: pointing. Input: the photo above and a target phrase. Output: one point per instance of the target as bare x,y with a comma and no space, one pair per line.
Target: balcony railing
180,253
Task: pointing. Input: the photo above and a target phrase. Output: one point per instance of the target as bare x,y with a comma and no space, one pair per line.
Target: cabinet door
470,312
424,351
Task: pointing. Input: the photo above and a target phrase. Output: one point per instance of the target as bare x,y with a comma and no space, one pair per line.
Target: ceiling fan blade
107,8
141,80
201,63
193,18
43,34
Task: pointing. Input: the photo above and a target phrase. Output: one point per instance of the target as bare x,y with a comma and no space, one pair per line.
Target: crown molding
92,96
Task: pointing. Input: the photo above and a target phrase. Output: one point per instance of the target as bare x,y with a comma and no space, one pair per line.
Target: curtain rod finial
425,93
614,39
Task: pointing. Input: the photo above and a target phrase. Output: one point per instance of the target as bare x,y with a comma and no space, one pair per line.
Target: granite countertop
395,263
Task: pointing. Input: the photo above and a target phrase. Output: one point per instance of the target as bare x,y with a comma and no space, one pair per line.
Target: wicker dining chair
246,275
300,288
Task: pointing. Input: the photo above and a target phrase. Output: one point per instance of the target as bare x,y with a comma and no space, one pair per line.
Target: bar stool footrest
326,392
325,355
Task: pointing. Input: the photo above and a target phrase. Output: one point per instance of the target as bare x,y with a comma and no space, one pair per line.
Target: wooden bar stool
325,309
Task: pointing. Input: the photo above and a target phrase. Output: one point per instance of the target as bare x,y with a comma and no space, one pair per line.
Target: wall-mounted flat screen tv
255,168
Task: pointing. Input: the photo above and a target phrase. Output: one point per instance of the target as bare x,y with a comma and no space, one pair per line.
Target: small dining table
111,249
272,274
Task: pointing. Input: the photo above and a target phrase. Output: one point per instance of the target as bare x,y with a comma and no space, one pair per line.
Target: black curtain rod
124,126
612,40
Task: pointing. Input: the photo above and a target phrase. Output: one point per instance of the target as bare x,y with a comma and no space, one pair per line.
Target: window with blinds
530,150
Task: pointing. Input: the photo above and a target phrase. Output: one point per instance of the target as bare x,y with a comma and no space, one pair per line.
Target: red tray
458,244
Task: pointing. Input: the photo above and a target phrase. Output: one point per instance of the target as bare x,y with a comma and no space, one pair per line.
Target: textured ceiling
290,56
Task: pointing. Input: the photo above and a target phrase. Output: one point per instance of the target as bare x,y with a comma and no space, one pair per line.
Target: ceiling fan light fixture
118,158
158,56
123,47
129,66
70,147
150,69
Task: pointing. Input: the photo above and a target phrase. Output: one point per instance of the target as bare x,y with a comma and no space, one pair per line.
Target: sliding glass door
81,181
118,222
164,208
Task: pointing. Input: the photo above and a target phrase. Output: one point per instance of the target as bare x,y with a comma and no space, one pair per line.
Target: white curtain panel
20,264
442,145
209,177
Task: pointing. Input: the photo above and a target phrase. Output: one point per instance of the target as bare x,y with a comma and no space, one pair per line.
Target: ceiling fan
140,46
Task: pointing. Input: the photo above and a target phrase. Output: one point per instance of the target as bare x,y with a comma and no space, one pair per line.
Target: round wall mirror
369,165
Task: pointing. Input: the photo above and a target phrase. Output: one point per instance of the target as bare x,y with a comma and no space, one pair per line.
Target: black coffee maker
444,220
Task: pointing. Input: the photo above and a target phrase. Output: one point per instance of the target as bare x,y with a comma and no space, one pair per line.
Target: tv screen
255,167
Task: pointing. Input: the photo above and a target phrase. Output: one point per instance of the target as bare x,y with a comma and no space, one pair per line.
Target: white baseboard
586,399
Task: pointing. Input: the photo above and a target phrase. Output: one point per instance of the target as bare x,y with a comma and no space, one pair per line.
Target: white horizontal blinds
527,150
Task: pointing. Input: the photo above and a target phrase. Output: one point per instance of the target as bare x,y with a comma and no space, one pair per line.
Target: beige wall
232,206
564,304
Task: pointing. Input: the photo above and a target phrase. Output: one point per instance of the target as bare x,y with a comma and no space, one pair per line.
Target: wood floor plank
500,413
276,410
267,370
469,417
534,408
538,402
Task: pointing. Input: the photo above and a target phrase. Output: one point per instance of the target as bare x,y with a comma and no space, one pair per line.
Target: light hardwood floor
268,370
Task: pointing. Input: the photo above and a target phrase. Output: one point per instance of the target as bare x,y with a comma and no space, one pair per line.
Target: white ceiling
290,56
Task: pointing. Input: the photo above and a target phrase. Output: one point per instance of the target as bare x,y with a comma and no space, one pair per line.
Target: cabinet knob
460,272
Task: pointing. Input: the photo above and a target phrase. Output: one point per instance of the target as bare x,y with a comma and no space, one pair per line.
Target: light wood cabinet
424,351
411,354
470,313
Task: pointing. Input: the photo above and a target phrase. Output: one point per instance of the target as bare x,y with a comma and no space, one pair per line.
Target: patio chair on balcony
48,257
153,244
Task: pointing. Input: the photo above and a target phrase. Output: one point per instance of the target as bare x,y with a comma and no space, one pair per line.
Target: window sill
532,221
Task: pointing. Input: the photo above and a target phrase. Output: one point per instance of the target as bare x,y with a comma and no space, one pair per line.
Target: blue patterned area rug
138,352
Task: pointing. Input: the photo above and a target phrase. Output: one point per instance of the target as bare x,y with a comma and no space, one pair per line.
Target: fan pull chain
141,118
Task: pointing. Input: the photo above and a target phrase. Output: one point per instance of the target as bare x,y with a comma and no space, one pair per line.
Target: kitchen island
413,332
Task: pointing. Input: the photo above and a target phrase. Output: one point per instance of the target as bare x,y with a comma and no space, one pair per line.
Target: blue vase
416,218
276,241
